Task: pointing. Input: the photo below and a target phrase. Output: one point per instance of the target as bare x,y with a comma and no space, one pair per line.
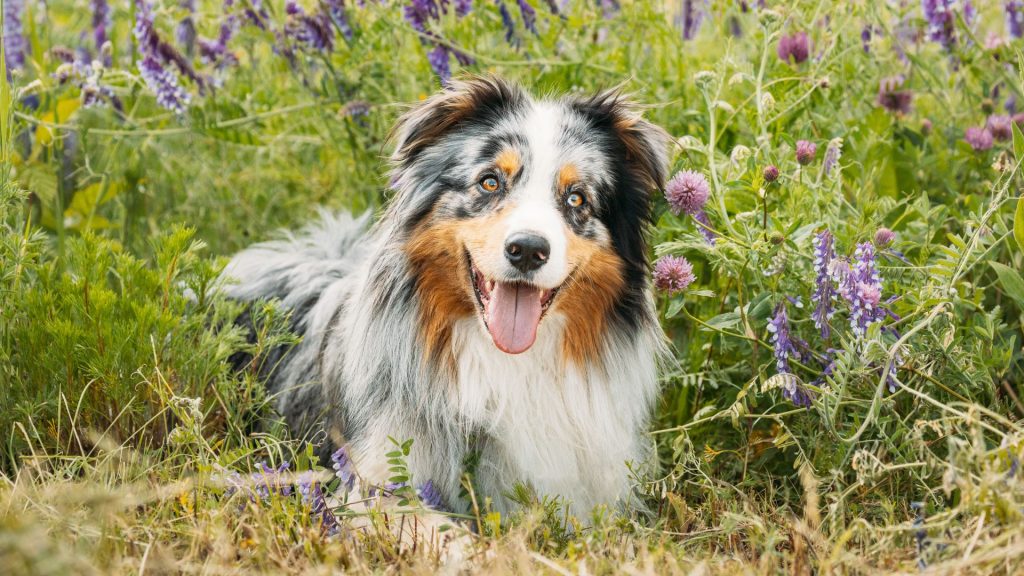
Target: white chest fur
563,429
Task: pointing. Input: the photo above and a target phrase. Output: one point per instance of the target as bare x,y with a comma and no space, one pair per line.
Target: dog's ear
645,144
478,97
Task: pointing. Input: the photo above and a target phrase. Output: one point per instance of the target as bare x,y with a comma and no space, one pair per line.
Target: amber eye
490,184
575,200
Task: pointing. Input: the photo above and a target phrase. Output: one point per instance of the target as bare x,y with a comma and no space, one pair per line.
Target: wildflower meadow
837,261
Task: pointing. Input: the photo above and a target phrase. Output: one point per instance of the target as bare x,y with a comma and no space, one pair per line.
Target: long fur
386,352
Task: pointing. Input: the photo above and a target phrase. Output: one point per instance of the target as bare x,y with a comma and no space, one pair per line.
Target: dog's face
518,208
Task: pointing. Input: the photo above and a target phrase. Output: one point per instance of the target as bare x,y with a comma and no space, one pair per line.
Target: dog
500,308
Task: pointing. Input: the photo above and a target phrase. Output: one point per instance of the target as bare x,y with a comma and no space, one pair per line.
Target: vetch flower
689,17
861,286
156,55
794,48
687,192
342,465
979,138
832,154
824,296
185,31
865,38
310,30
430,496
312,494
891,97
164,84
529,15
1001,127
785,349
100,25
15,44
440,62
1014,17
704,226
673,274
805,151
941,18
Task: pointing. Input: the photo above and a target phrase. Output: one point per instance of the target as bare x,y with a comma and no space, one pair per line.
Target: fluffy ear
645,144
476,98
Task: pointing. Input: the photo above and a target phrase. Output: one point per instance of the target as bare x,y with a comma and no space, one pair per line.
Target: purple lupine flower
689,17
979,138
687,192
430,496
884,237
824,292
805,151
529,15
785,349
891,97
673,274
164,84
832,154
794,48
15,44
342,465
1014,17
1001,127
100,24
771,173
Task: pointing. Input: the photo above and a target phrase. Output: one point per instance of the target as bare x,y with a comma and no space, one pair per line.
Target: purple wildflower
865,38
673,274
704,226
312,494
1001,127
805,151
785,349
979,138
508,23
884,237
1014,18
342,465
216,51
941,17
185,31
687,192
164,84
891,97
771,173
15,44
824,292
463,7
267,481
255,14
440,62
311,30
832,154
430,496
100,24
794,48
690,17
529,15
336,13
861,286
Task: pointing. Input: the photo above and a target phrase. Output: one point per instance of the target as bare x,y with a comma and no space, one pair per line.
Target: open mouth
511,311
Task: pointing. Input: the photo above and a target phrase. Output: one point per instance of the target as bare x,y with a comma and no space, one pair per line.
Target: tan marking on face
508,161
435,251
567,176
588,296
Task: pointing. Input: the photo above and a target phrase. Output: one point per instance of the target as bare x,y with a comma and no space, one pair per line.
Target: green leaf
1012,283
1018,217
1018,141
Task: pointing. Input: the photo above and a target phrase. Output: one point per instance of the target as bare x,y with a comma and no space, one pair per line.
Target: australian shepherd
499,308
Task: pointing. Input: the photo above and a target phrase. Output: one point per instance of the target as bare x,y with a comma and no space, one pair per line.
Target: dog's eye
490,184
575,200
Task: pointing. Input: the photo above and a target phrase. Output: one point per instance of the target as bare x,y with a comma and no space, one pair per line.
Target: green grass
110,220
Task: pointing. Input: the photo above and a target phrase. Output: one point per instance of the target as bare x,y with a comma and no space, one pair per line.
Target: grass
120,417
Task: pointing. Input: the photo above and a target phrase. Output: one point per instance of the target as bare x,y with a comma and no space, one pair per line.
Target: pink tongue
513,313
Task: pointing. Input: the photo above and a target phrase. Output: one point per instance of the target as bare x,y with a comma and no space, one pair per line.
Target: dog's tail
296,268
305,274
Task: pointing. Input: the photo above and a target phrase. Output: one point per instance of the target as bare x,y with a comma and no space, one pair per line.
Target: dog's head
513,208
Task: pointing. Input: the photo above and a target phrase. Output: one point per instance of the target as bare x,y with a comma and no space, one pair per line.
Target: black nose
526,251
